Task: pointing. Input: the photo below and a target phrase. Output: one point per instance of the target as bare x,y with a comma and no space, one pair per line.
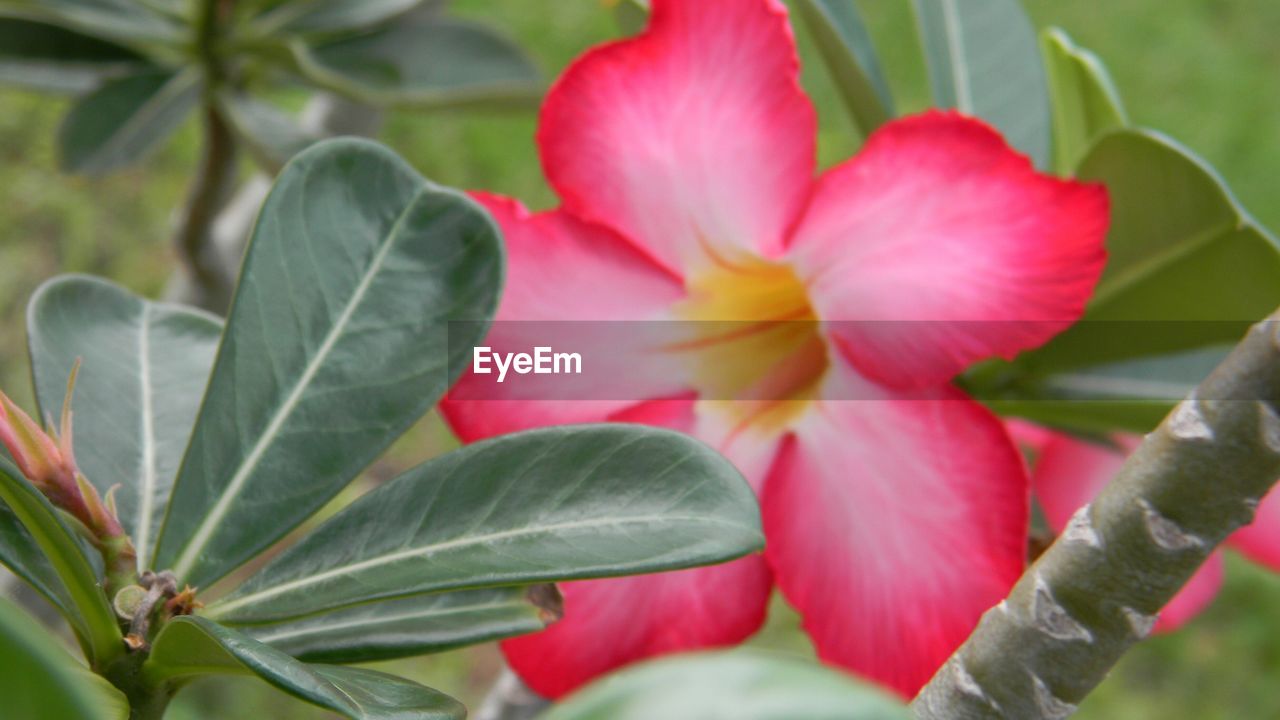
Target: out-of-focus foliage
138,69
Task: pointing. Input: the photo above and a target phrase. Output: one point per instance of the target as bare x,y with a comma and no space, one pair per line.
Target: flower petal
561,270
892,526
692,136
611,623
1260,540
939,245
1028,435
1194,597
1070,472
614,622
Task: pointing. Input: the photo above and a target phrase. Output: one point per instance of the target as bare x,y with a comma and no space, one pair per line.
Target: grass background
1203,71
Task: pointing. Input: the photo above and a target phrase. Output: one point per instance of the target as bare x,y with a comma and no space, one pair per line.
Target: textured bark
1097,590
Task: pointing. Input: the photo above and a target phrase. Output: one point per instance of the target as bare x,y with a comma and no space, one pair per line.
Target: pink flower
1069,472
685,160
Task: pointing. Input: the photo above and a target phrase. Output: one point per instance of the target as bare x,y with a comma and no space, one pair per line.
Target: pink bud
38,455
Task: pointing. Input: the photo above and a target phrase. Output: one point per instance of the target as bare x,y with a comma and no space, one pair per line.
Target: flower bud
38,455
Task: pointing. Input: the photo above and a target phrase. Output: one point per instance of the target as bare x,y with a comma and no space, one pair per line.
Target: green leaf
271,135
845,47
145,367
984,59
20,552
551,504
337,341
125,119
314,16
1130,395
738,685
42,682
1187,266
112,19
631,15
415,625
48,57
192,646
1085,101
422,62
92,618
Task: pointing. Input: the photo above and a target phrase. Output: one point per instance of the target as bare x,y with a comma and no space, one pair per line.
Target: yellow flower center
756,348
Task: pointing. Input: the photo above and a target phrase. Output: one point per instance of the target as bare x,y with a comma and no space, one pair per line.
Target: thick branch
205,279
1097,590
204,275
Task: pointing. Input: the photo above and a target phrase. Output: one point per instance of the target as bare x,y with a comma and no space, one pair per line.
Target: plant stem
1097,590
510,699
206,282
147,699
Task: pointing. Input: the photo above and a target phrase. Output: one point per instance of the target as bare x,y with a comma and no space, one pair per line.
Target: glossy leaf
48,57
422,61
113,19
144,369
984,59
552,504
192,646
91,617
845,47
1085,101
42,682
271,135
415,625
337,340
310,16
124,120
1187,266
738,685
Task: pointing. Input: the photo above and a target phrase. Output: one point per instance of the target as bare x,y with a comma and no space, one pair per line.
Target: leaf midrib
146,494
314,627
186,560
1142,270
956,53
139,121
223,608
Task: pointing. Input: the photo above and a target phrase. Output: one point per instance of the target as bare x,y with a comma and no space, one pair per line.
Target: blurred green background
1206,72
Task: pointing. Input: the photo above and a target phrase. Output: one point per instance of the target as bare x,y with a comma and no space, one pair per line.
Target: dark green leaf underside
123,121
191,646
410,626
